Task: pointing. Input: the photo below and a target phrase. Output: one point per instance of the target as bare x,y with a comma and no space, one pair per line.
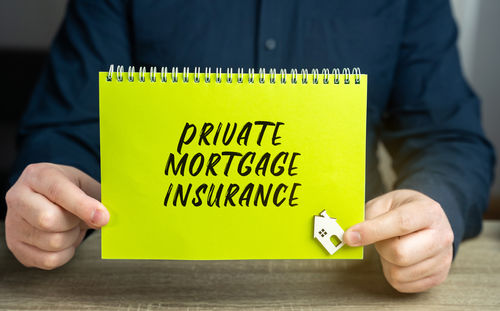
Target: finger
52,183
80,238
412,248
88,184
397,222
31,256
421,284
47,241
42,213
428,267
388,201
378,206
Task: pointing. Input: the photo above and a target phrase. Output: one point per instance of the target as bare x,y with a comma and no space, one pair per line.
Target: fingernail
354,238
99,217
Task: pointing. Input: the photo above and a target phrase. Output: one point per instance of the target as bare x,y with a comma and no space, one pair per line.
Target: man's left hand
412,236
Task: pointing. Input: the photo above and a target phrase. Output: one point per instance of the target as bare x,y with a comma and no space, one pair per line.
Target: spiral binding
174,75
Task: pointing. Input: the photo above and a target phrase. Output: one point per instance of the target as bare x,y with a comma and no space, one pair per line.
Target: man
419,106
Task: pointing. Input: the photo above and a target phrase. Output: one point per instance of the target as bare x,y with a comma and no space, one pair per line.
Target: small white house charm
326,229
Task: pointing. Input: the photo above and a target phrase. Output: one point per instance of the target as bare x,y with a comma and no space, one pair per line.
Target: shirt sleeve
432,125
61,124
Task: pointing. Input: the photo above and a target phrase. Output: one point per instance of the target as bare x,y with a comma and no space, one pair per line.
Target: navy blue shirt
419,105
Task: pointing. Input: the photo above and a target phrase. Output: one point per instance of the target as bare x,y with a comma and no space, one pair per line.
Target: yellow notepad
208,166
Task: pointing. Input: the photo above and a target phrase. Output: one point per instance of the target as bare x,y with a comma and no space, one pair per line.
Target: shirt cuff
55,146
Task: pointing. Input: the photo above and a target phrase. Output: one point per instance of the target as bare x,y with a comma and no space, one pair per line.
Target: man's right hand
50,208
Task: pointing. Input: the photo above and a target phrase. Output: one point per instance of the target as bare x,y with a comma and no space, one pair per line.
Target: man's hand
49,210
412,236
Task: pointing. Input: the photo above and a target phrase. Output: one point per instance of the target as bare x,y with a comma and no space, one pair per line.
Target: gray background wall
479,45
31,24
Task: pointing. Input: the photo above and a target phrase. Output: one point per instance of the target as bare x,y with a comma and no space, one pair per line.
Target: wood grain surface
89,283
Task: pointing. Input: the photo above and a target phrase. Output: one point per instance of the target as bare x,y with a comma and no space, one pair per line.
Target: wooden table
89,283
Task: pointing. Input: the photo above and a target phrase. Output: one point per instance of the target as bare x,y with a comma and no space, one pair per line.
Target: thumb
99,215
62,186
91,210
352,237
88,184
374,208
401,221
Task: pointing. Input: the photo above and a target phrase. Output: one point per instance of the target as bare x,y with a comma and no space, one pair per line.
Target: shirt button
270,44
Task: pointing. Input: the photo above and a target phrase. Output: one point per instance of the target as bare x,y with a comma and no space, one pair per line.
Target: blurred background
27,28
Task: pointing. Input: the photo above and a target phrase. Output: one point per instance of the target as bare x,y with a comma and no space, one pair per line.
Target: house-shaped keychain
327,229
